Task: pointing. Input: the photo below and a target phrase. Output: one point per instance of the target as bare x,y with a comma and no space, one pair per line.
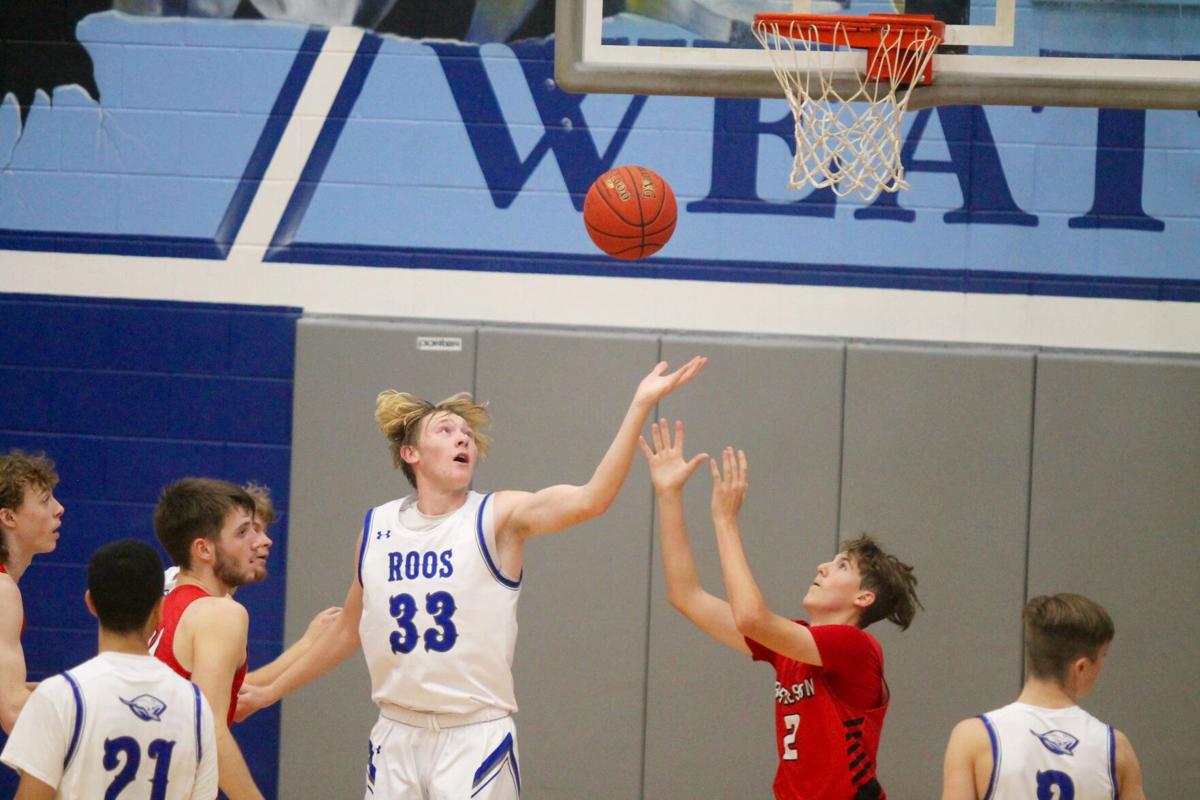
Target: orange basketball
630,212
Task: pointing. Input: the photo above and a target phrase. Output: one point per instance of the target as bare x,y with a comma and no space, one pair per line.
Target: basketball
630,212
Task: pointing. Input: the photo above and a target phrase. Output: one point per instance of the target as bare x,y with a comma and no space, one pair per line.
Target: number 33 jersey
439,619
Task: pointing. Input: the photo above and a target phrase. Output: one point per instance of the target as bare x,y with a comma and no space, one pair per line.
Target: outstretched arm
669,472
750,612
334,645
520,515
269,672
13,689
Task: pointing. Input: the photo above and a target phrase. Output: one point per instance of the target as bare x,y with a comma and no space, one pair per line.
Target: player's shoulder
8,587
971,727
970,735
1122,741
216,611
504,501
11,606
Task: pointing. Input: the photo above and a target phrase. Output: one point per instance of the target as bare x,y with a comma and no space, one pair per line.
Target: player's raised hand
729,484
658,384
668,470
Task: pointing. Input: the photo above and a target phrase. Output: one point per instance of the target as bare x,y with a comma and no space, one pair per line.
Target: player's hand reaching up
658,384
729,484
668,471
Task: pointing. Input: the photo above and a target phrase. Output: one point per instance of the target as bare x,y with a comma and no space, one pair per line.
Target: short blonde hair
264,507
402,417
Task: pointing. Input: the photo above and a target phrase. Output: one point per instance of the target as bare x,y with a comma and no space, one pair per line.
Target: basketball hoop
849,148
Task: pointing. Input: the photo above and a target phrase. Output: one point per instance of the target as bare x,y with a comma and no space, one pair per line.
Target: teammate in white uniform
121,725
434,598
1044,746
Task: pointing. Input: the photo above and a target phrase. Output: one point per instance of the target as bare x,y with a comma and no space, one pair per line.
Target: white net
847,140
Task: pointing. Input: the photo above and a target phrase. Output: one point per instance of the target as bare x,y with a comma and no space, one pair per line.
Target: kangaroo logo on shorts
146,707
1058,742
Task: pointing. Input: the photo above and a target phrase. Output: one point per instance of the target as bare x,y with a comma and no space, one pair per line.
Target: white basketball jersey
119,725
1050,753
439,620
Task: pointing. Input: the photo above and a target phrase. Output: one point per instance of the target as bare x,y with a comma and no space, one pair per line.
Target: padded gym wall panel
1116,516
341,466
557,399
710,713
936,465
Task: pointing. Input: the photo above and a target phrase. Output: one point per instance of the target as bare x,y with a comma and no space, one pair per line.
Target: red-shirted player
830,695
207,527
29,520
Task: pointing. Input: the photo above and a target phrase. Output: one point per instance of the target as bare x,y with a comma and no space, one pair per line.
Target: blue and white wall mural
300,134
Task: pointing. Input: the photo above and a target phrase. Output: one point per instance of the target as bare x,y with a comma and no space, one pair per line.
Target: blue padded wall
127,396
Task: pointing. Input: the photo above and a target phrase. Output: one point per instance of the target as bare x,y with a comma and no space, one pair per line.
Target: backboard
1090,53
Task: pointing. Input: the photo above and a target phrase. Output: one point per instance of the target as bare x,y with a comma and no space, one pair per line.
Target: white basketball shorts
410,762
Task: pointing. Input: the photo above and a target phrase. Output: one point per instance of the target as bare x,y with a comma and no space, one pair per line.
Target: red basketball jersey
162,643
828,719
2,569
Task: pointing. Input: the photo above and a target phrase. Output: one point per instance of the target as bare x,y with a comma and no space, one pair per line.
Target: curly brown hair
19,472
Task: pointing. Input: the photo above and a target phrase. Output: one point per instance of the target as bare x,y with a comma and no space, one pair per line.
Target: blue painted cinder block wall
126,397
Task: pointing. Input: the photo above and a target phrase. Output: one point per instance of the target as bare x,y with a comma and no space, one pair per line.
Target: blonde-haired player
434,598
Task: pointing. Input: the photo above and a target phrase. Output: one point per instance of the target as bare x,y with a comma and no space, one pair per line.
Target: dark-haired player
122,724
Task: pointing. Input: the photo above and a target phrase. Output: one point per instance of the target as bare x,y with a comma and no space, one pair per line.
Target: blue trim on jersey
362,548
1112,762
487,556
995,757
199,719
79,712
494,764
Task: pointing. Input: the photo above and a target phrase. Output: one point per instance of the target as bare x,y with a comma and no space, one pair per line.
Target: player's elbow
8,716
751,620
679,601
592,504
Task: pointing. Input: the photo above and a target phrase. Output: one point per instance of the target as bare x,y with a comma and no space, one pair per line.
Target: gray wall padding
1116,516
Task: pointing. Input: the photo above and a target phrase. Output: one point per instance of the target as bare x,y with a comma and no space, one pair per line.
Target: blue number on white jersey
159,750
1050,780
440,605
